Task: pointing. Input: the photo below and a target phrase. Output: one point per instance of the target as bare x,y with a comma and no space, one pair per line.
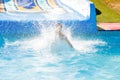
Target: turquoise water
95,57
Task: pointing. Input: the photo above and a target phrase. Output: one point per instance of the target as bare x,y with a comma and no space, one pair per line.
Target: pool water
43,57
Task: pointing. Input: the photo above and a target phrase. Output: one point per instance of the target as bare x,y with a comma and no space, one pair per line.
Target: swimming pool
29,49
95,57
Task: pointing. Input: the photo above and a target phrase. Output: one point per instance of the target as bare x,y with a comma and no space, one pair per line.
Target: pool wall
19,24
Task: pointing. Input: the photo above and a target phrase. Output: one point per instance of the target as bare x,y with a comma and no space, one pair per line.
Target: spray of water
47,55
47,38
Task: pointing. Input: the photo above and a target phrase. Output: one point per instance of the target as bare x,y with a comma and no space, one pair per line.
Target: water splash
48,58
48,38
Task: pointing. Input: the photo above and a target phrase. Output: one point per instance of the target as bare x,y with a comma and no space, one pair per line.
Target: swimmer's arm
65,37
69,42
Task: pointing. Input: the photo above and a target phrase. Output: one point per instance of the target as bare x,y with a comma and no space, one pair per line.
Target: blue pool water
30,49
42,57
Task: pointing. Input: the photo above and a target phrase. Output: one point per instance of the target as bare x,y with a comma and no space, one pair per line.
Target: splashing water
47,58
47,38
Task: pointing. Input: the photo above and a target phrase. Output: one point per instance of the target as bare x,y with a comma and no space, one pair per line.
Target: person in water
61,35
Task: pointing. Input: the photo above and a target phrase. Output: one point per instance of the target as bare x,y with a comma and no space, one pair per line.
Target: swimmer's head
58,27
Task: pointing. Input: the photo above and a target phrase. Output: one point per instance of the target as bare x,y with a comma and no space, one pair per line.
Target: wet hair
58,27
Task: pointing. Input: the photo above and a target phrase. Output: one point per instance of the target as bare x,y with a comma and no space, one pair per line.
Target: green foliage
113,0
107,13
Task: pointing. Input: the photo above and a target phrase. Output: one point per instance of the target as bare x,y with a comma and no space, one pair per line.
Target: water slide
23,16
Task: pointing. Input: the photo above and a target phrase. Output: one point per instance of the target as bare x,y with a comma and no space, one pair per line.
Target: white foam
48,36
87,45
